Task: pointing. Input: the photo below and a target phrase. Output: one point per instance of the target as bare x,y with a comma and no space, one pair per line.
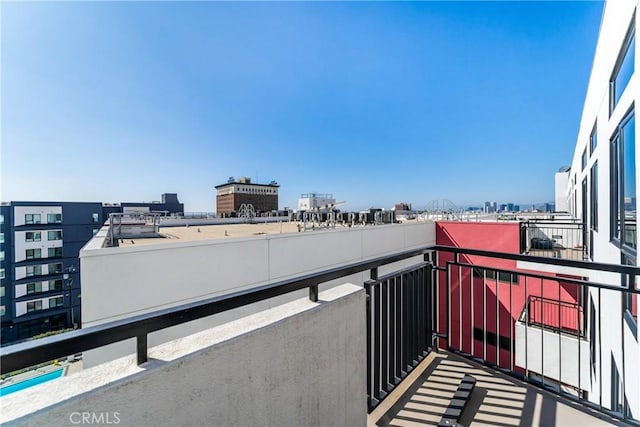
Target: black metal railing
458,298
556,346
557,239
399,326
563,316
24,355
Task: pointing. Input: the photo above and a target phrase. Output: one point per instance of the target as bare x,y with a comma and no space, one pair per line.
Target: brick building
235,193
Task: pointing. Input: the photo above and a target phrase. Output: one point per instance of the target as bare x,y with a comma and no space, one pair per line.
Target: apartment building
40,270
602,192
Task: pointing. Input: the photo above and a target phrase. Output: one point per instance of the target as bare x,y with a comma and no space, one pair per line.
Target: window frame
622,55
616,193
33,236
55,252
33,253
32,219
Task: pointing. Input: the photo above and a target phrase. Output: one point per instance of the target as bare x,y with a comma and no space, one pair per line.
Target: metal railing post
141,349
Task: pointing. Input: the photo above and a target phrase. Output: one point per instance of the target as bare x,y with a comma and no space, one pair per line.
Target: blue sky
377,102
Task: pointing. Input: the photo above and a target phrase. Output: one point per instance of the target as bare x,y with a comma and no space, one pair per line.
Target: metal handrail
23,355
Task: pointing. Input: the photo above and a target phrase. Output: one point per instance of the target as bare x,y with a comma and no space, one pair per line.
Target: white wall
125,281
20,211
616,20
559,351
21,245
561,184
299,364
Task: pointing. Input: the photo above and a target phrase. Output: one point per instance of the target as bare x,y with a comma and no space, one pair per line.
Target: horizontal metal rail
23,355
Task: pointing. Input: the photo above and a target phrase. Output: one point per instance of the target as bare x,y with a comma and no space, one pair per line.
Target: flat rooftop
209,232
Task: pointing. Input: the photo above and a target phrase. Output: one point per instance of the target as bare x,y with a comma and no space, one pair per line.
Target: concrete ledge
300,363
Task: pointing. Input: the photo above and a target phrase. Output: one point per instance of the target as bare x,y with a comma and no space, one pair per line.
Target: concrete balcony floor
497,400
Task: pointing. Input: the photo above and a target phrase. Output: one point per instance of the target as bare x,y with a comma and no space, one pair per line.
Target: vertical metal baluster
460,346
559,337
527,307
392,331
511,322
471,324
420,312
405,321
377,348
600,340
409,328
414,298
399,336
384,320
448,305
579,291
484,313
497,318
623,379
542,327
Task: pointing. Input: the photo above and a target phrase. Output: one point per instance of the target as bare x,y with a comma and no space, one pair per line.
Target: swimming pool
31,382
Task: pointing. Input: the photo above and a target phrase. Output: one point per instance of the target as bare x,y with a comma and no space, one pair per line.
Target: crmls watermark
94,418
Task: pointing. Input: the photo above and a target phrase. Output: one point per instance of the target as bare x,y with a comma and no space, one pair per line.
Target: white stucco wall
616,20
299,364
121,282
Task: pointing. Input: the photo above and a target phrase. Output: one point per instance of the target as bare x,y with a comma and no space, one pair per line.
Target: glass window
1,219
55,252
33,253
34,270
594,197
34,306
1,273
54,218
593,139
623,179
2,291
1,255
584,159
33,288
95,217
32,236
56,302
3,310
55,285
55,268
54,235
32,219
623,71
1,237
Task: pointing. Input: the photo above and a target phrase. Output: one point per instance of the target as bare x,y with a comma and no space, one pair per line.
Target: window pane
593,140
594,196
625,71
629,161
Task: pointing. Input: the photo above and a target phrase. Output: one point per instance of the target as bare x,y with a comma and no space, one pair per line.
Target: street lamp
69,279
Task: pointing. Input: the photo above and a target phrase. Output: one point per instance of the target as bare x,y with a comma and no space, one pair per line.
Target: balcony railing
556,239
561,316
453,298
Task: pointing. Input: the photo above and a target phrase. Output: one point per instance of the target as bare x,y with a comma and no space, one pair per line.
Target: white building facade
601,191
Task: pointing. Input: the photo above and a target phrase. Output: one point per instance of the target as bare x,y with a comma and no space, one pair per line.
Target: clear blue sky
377,102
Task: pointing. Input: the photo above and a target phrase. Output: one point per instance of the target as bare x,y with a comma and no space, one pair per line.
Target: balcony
395,348
566,239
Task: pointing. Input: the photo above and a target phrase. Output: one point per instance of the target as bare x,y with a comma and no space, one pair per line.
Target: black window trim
622,54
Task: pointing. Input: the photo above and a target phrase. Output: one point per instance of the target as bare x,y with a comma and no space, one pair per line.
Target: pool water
31,382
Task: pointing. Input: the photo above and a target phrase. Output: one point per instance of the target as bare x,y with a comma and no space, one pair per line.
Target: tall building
232,195
40,270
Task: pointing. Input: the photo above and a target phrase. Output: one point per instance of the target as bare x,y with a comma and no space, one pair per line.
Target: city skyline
376,103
